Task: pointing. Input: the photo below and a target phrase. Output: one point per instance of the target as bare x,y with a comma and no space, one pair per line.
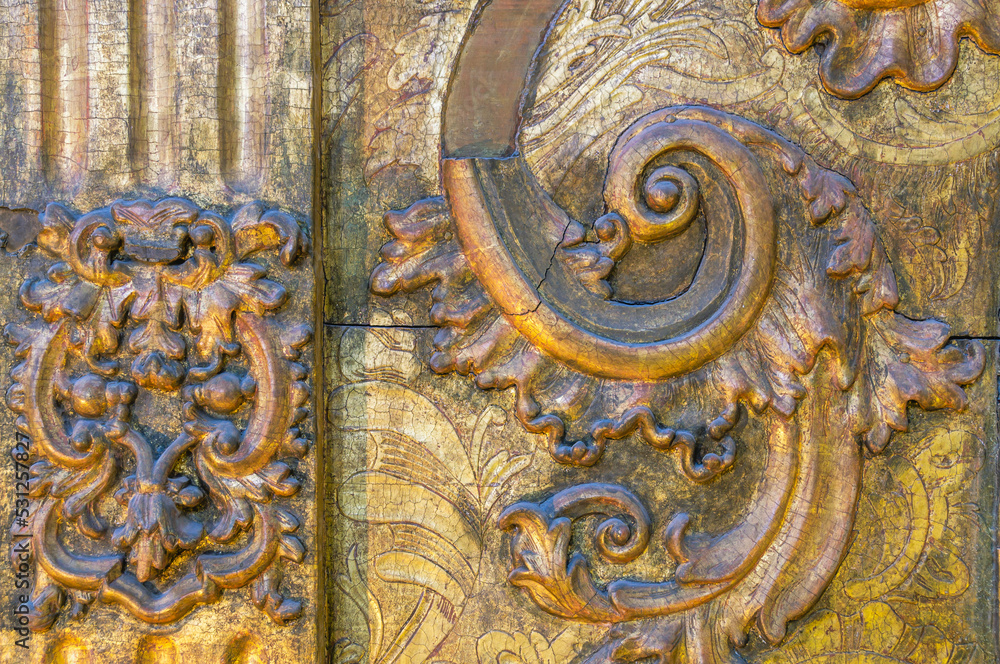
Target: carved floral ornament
786,320
861,42
858,42
146,305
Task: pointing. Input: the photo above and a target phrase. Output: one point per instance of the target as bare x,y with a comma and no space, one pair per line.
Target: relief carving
784,319
862,42
152,316
709,245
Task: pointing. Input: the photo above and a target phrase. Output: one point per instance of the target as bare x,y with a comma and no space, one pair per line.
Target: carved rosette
788,318
142,305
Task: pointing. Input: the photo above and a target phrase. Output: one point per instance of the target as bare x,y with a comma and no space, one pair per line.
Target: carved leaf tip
914,361
257,229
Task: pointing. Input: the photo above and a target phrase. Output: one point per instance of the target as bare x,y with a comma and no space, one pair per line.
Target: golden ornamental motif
861,42
197,513
774,324
787,327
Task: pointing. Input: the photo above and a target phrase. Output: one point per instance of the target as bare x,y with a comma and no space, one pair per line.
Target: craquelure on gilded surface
727,282
158,304
631,331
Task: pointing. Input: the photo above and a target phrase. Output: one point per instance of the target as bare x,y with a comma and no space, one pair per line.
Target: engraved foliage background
417,565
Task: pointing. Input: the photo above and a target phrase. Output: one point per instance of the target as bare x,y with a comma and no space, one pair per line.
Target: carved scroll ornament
143,305
787,317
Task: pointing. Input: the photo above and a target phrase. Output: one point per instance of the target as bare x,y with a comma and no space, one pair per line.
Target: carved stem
269,420
143,454
817,529
165,463
69,569
731,555
46,359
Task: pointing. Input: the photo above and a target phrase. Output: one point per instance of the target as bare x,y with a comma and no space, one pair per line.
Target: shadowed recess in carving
65,64
20,226
153,143
242,92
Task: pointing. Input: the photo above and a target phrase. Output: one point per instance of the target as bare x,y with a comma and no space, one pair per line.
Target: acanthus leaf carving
564,586
789,320
200,328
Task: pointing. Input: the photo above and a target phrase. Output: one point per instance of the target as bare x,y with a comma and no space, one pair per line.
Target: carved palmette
141,306
788,318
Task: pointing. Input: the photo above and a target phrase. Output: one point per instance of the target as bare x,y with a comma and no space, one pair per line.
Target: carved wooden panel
500,331
157,281
663,331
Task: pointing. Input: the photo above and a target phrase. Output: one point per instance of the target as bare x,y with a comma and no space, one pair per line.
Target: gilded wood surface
712,276
81,414
156,195
646,330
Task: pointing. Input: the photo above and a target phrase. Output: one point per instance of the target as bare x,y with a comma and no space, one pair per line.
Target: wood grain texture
121,99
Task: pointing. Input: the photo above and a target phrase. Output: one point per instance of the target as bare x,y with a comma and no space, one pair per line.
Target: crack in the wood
545,275
368,326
